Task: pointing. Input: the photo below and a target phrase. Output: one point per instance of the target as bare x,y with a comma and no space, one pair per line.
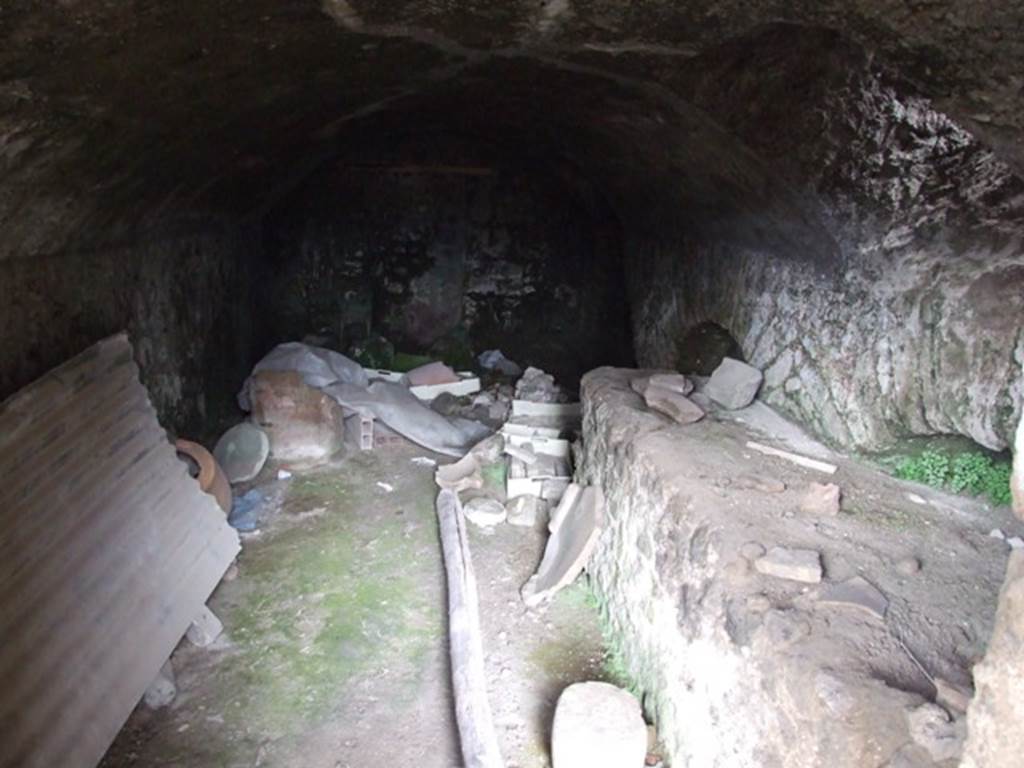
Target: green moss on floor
328,598
567,657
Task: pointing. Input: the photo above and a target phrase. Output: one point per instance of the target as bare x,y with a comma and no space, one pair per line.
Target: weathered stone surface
734,384
821,499
598,725
932,728
303,424
794,564
863,363
672,404
995,738
732,670
955,698
1017,479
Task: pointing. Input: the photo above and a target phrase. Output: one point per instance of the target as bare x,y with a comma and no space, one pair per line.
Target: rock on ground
821,499
734,384
794,564
538,387
672,404
598,725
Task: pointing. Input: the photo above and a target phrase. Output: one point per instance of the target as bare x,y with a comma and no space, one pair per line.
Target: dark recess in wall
449,247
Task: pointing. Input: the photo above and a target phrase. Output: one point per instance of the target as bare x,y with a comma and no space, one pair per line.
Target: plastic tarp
346,382
319,367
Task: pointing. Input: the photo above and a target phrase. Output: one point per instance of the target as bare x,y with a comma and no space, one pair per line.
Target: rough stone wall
913,324
738,671
500,257
184,301
995,737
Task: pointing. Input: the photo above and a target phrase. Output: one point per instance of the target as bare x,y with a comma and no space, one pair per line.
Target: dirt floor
335,649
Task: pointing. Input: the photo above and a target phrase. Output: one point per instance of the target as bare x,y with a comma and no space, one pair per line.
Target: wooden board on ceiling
108,549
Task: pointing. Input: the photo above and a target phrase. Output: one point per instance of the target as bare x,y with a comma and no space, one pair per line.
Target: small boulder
734,384
598,725
672,404
821,499
793,564
484,511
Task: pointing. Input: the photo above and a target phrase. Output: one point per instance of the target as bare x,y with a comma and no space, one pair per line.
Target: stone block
793,564
821,499
205,628
672,404
734,384
598,725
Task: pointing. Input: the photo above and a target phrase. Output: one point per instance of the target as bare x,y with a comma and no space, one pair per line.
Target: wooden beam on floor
469,683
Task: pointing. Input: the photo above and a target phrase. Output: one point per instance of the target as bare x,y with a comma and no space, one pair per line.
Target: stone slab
794,564
672,404
568,548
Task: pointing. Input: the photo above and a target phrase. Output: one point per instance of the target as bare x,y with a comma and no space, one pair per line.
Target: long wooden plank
796,458
108,549
472,710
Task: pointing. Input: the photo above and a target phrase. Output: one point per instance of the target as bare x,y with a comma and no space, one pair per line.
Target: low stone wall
739,669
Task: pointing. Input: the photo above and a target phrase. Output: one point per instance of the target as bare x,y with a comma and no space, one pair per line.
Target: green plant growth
972,473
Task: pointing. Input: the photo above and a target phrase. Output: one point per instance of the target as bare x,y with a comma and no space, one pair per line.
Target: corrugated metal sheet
108,549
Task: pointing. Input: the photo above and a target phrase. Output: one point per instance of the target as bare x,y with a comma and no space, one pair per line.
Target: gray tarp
346,382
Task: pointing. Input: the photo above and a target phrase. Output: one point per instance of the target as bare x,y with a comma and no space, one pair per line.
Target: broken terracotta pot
211,477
